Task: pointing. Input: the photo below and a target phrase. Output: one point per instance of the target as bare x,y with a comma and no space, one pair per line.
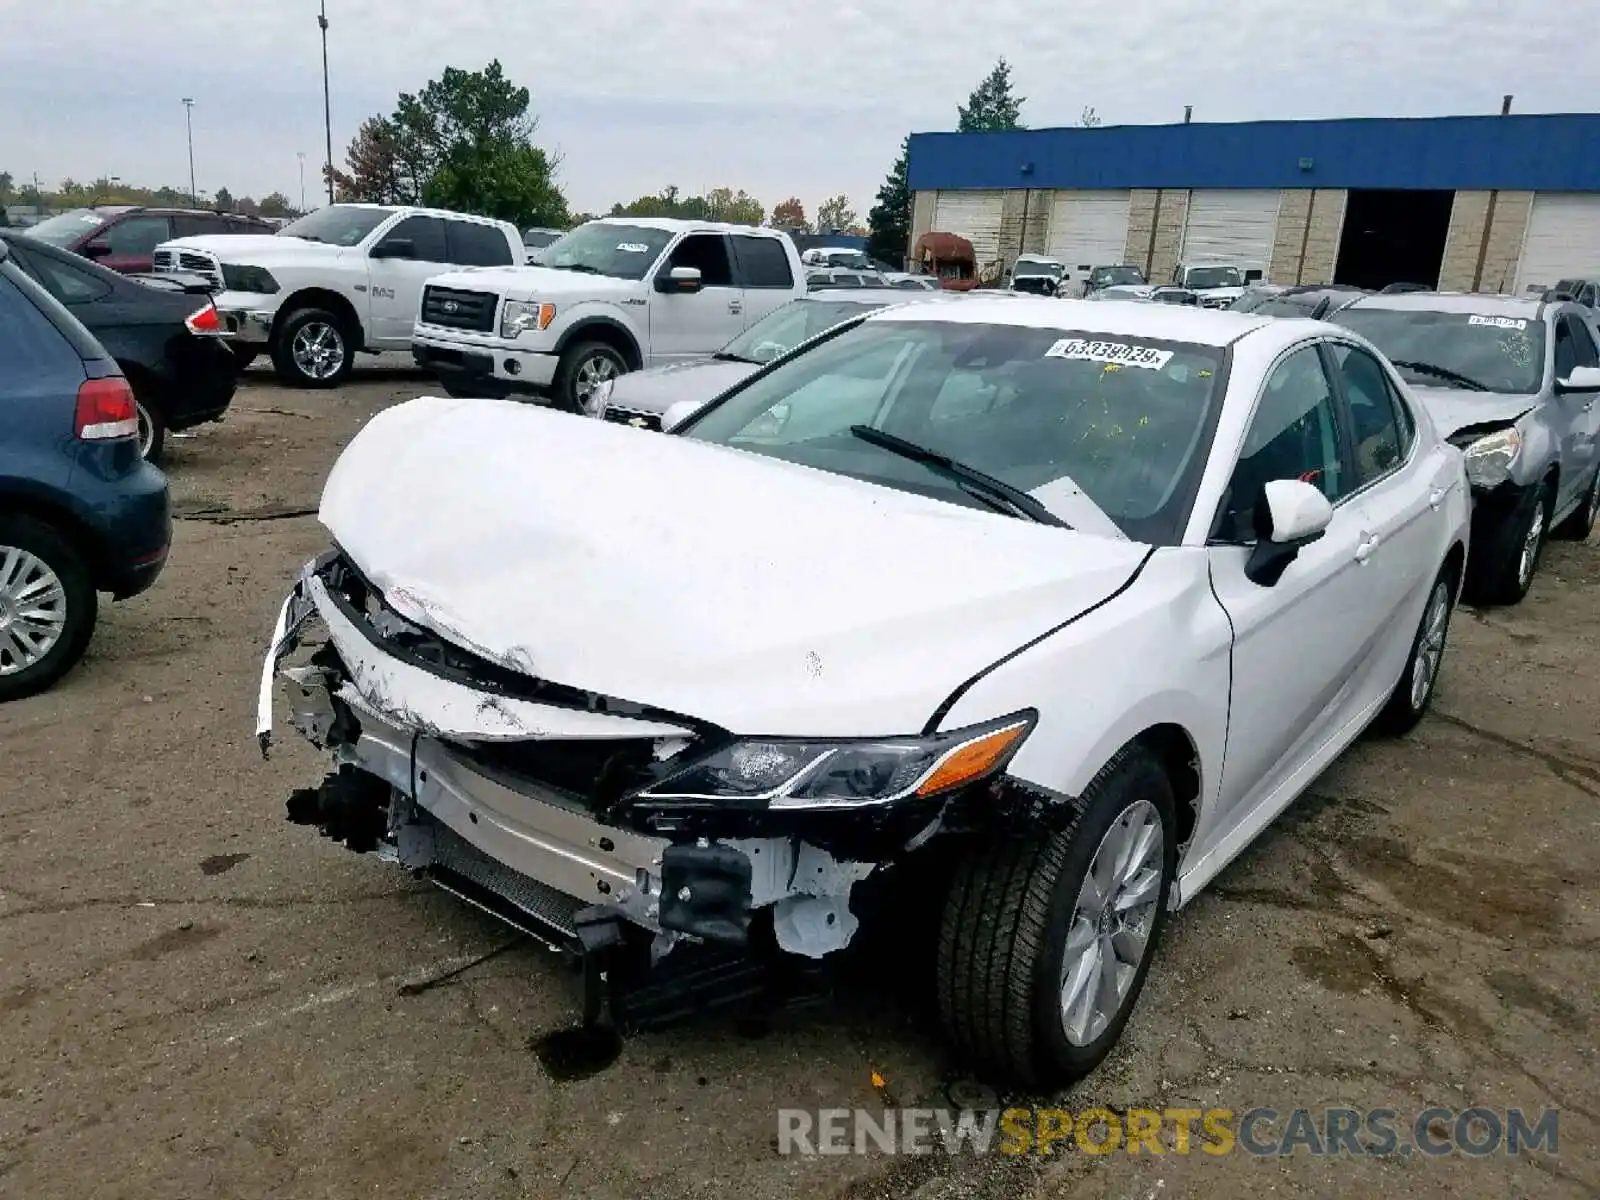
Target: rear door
396,283
474,244
763,270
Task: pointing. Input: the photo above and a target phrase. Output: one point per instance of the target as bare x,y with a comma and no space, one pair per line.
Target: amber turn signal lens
972,760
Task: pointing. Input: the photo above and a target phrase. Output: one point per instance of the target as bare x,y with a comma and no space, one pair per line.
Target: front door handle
1436,498
1365,547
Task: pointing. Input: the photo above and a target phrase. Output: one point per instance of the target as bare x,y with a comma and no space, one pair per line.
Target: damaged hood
1457,408
658,389
761,596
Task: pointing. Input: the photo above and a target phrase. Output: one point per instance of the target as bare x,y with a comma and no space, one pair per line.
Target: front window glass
1466,351
620,251
337,224
1124,422
68,229
1213,277
780,332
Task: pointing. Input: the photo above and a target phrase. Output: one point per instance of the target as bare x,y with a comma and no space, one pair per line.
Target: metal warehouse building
1497,204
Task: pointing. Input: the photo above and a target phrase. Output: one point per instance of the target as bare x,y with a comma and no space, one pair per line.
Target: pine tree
889,222
991,105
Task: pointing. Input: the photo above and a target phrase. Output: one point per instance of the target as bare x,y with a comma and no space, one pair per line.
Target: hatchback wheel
1046,941
47,606
1414,692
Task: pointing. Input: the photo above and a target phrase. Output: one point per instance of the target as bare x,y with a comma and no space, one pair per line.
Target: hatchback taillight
105,410
206,323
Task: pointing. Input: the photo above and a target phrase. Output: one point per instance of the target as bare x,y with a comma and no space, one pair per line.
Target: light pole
327,110
188,121
301,155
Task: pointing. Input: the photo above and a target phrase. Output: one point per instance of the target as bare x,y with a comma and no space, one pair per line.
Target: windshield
338,224
1212,277
621,251
783,330
1116,276
846,258
535,239
1124,421
1025,267
1502,354
68,228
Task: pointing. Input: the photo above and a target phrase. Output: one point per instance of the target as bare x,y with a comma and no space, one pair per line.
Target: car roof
1165,322
1486,305
679,225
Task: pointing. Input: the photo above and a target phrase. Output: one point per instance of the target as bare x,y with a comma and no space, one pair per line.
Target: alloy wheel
1430,644
1112,919
318,350
33,609
591,373
1530,547
147,430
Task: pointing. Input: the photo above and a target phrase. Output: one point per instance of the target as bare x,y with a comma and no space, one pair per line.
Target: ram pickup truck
612,296
344,278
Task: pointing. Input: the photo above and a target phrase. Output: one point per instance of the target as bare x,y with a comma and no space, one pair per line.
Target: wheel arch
324,298
59,515
603,329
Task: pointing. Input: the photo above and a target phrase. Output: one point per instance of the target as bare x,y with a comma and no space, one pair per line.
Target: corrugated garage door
1088,229
973,215
1563,239
1231,227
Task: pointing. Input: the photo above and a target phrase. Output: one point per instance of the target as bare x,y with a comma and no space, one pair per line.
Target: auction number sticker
633,247
1498,322
1117,353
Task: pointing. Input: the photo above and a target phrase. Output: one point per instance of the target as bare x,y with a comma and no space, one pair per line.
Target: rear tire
313,350
1022,932
48,606
1500,570
152,430
1580,523
581,368
1412,695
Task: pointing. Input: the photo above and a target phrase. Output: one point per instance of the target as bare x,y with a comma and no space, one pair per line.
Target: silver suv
1515,384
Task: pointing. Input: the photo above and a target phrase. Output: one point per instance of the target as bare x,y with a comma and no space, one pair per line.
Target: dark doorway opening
1393,237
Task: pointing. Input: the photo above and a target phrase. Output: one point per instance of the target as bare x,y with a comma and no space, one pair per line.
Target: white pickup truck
344,278
612,296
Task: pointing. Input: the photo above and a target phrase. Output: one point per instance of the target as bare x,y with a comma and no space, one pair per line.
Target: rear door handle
1365,547
1436,498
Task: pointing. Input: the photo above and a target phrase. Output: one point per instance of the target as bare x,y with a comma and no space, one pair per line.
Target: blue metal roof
1523,152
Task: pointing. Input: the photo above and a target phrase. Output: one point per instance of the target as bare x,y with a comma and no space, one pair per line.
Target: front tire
48,606
1412,695
313,349
1501,569
1046,940
583,368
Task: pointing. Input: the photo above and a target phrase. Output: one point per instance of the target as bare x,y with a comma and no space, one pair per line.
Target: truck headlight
1490,458
800,774
519,316
257,280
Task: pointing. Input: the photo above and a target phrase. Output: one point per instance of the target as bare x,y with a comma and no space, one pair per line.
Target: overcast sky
702,93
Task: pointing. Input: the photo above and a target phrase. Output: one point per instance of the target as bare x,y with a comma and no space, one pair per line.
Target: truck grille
190,261
456,309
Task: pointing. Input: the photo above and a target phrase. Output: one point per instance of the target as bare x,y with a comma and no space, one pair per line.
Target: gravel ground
198,1000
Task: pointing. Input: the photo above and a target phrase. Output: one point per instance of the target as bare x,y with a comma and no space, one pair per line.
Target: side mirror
1581,379
679,411
1290,515
679,279
395,248
98,248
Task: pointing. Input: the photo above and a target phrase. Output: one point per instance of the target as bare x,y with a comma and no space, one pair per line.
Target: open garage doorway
1393,237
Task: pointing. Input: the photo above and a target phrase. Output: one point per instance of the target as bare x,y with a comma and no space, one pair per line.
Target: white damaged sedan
1087,591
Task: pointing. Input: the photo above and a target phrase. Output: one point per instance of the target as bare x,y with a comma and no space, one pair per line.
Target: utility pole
301,155
188,121
327,109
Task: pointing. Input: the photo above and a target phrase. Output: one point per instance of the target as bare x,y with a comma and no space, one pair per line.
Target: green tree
223,200
835,215
274,205
992,105
889,220
376,173
736,208
6,193
719,204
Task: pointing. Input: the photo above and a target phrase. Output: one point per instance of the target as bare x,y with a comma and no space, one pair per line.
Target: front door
1575,411
686,325
396,283
1300,644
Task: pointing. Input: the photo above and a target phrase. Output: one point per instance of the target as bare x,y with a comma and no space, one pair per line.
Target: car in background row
1310,300
1584,291
340,280
1037,274
168,345
124,237
80,511
843,277
641,398
1515,384
535,240
910,281
1216,285
1100,278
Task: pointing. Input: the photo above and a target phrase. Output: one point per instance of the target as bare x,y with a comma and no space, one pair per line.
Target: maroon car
122,236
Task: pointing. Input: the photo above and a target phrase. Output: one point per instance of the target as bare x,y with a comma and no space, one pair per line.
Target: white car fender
631,315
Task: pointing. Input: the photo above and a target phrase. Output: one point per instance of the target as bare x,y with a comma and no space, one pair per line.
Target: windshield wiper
997,493
583,268
1438,372
724,356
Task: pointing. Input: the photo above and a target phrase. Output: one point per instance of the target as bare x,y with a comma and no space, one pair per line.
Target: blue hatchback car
80,511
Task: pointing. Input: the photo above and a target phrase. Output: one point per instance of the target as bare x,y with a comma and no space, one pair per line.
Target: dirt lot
199,1000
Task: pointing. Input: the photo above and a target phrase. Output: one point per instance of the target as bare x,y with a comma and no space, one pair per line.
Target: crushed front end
591,822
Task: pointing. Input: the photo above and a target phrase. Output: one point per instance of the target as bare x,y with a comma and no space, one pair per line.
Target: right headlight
1490,457
520,316
257,280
